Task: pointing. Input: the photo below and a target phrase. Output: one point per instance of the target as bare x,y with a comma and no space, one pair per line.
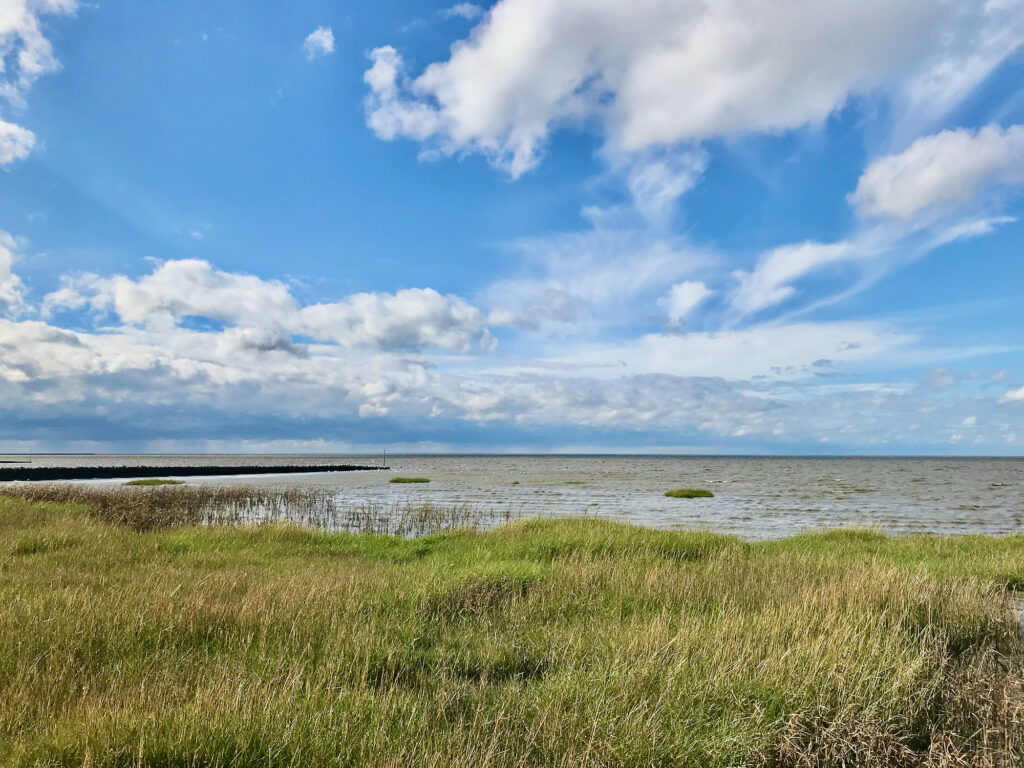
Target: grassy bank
568,643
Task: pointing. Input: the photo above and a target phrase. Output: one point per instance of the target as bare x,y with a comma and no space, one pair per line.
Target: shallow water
755,497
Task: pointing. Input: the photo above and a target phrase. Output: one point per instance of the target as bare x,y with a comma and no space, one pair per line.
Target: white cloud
269,314
319,42
25,51
656,183
387,112
25,55
777,351
941,171
408,319
11,289
665,71
591,278
179,289
770,282
250,378
1014,395
467,11
15,142
683,298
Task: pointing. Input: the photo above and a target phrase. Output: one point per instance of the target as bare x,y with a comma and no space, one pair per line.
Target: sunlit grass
541,642
154,481
409,480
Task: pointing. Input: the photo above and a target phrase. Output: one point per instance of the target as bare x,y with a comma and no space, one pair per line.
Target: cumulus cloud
941,171
179,289
408,319
25,55
467,11
388,112
11,289
257,341
15,142
663,72
411,319
1014,395
48,374
319,42
268,379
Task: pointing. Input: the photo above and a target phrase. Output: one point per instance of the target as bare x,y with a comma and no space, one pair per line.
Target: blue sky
538,225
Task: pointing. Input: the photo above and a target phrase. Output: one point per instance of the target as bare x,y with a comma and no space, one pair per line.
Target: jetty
11,474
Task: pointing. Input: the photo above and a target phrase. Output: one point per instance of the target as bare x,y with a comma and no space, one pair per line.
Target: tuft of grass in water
540,642
689,493
409,480
155,481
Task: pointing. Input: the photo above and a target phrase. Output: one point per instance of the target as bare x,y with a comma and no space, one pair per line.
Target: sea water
754,497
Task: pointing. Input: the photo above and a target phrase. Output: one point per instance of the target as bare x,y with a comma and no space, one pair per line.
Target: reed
537,643
155,508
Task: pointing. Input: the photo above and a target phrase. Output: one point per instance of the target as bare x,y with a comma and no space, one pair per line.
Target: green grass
540,643
409,480
689,493
154,481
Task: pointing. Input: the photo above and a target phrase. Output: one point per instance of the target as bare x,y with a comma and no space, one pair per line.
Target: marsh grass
538,643
689,493
155,508
155,481
409,480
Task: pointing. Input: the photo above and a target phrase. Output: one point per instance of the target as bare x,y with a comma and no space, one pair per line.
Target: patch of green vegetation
542,642
35,545
154,481
409,480
689,493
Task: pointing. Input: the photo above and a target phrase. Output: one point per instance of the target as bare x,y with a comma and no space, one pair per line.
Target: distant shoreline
111,473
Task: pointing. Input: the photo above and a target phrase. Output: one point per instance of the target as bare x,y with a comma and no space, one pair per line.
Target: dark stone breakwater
111,473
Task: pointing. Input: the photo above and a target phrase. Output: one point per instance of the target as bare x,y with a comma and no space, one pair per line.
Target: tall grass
538,643
152,508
